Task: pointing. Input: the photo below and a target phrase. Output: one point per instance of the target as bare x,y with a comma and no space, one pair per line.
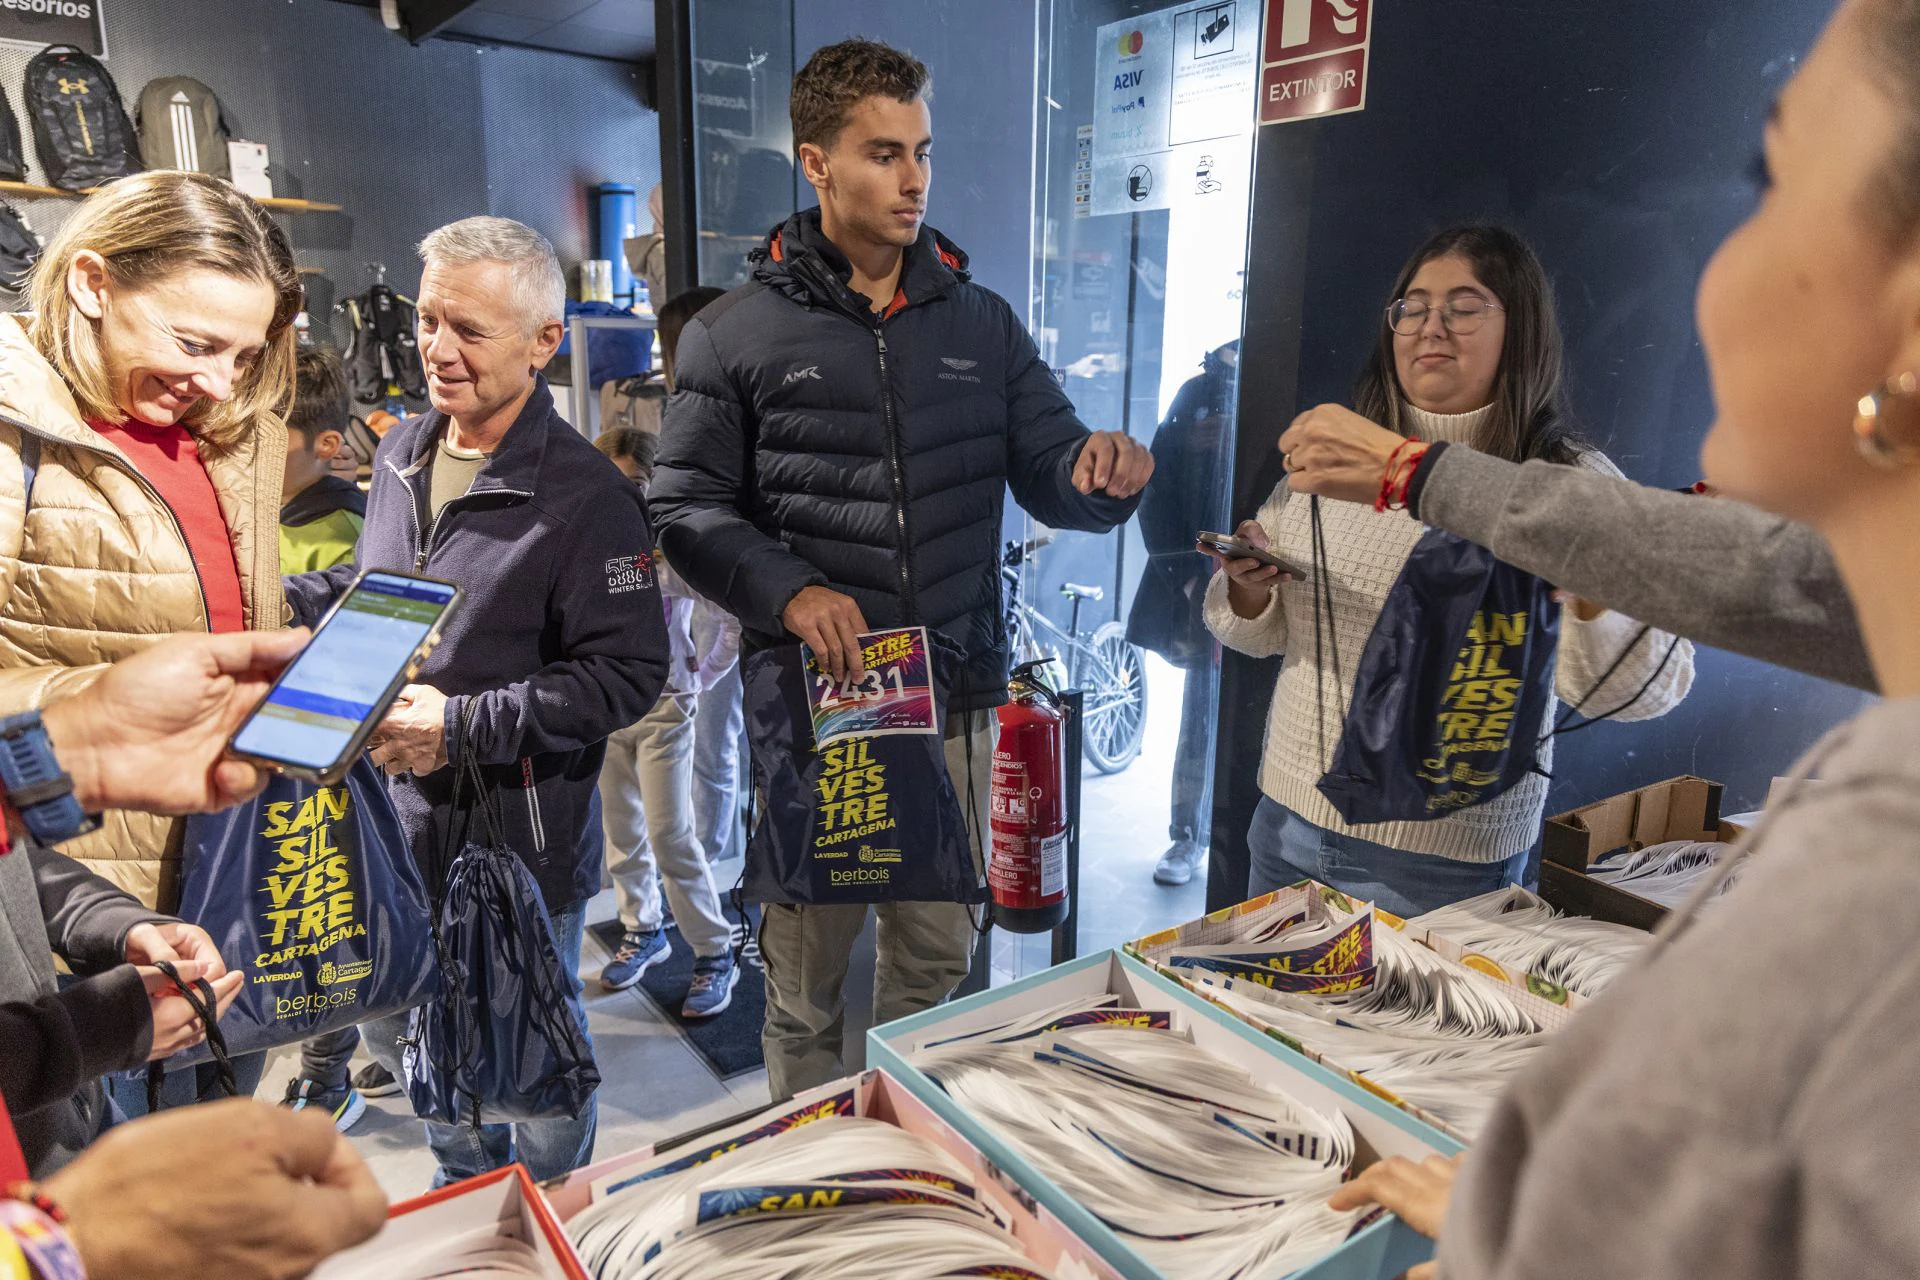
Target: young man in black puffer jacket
835,459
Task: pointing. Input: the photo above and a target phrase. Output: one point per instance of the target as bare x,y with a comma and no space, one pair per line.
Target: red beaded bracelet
1403,483
1386,480
27,1193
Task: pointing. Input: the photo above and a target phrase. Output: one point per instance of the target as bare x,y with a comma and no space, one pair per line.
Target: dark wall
981,55
1618,139
404,138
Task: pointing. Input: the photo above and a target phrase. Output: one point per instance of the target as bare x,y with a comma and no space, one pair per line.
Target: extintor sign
80,23
1315,60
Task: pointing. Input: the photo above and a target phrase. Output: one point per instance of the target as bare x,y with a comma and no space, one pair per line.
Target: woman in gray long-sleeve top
1741,1105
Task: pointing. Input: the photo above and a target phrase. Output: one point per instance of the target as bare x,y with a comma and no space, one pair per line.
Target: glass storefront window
1142,200
742,72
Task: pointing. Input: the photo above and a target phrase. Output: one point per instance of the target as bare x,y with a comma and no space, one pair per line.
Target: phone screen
340,680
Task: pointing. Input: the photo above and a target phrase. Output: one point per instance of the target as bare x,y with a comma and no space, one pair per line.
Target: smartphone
317,717
1234,547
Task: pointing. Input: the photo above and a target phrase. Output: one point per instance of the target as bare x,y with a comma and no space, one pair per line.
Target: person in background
560,638
321,510
1191,453
647,254
647,793
1468,353
1731,1109
720,722
835,458
320,520
141,458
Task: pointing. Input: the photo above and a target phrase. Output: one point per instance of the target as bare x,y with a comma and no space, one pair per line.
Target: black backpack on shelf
19,249
13,155
182,126
80,129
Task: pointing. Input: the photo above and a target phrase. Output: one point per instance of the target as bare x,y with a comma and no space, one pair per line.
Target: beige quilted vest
99,569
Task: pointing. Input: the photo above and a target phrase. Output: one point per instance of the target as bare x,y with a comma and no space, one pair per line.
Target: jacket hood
322,498
798,260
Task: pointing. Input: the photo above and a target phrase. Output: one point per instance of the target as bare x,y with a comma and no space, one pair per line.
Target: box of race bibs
1338,965
1381,1247
1684,808
1042,1236
495,1224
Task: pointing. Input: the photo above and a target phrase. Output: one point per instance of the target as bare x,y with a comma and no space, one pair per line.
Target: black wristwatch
37,788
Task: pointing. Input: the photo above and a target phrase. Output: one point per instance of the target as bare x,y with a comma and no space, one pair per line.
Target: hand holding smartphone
317,717
1234,547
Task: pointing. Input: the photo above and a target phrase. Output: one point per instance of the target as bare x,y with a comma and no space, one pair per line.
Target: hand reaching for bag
831,625
1335,453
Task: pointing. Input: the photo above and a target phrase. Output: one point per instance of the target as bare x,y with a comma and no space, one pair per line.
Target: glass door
1143,188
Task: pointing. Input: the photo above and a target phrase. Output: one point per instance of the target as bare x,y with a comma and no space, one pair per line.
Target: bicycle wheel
1114,675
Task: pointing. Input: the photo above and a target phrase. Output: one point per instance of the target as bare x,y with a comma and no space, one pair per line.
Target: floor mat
730,1042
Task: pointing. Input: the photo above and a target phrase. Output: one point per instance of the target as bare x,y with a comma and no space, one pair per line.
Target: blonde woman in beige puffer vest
165,302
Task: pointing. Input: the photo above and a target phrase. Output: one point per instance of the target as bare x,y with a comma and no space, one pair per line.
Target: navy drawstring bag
871,819
311,891
1453,685
499,1043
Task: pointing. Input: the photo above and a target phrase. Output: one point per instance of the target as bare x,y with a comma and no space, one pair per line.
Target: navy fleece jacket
560,638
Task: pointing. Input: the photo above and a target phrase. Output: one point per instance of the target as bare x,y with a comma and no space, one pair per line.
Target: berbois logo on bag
960,368
629,573
800,375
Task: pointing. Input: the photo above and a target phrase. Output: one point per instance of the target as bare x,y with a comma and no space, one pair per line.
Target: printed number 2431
871,688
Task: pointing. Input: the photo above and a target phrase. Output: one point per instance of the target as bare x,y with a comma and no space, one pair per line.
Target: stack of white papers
1665,873
1205,1171
840,1197
1521,931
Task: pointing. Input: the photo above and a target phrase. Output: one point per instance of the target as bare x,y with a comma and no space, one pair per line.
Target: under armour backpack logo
954,363
73,86
811,371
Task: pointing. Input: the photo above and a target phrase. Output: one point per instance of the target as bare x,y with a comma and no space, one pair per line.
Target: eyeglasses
1462,315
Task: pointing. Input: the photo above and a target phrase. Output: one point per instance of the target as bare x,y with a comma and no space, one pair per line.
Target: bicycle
1110,670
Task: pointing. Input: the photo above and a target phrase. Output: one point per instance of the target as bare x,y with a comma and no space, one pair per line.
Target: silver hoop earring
1870,424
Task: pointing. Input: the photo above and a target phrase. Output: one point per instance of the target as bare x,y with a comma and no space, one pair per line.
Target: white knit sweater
1365,552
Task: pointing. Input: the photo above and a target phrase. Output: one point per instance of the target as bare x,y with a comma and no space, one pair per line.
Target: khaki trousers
924,948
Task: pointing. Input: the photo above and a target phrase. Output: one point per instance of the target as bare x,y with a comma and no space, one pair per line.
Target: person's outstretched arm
1715,571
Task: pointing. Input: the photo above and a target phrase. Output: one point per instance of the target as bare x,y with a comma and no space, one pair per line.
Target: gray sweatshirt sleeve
1718,572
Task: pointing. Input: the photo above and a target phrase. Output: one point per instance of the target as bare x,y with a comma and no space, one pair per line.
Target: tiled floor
656,1086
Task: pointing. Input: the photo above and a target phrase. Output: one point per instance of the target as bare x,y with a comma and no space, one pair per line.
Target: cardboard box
878,1096
505,1201
1685,808
1381,1250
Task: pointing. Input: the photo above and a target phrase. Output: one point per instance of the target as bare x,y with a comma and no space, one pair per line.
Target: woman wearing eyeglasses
1469,353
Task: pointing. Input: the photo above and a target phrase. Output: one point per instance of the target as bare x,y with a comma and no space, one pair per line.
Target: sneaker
713,984
1177,863
346,1102
639,951
375,1081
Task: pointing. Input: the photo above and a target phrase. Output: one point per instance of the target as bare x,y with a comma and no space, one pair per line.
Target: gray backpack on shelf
182,126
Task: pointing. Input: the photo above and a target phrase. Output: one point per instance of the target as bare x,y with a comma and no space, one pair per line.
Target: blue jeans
1285,847
185,1086
549,1148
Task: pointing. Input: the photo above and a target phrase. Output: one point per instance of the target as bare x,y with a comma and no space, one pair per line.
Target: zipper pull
880,338
420,562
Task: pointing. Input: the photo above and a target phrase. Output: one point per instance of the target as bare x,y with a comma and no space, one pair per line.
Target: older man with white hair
560,639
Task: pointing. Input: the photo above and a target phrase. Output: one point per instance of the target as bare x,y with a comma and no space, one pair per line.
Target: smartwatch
36,786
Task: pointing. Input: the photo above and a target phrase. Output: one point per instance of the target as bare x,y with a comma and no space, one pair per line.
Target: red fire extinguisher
1027,871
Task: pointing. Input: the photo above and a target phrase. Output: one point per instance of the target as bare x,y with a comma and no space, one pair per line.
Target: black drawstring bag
1452,689
868,819
499,1043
